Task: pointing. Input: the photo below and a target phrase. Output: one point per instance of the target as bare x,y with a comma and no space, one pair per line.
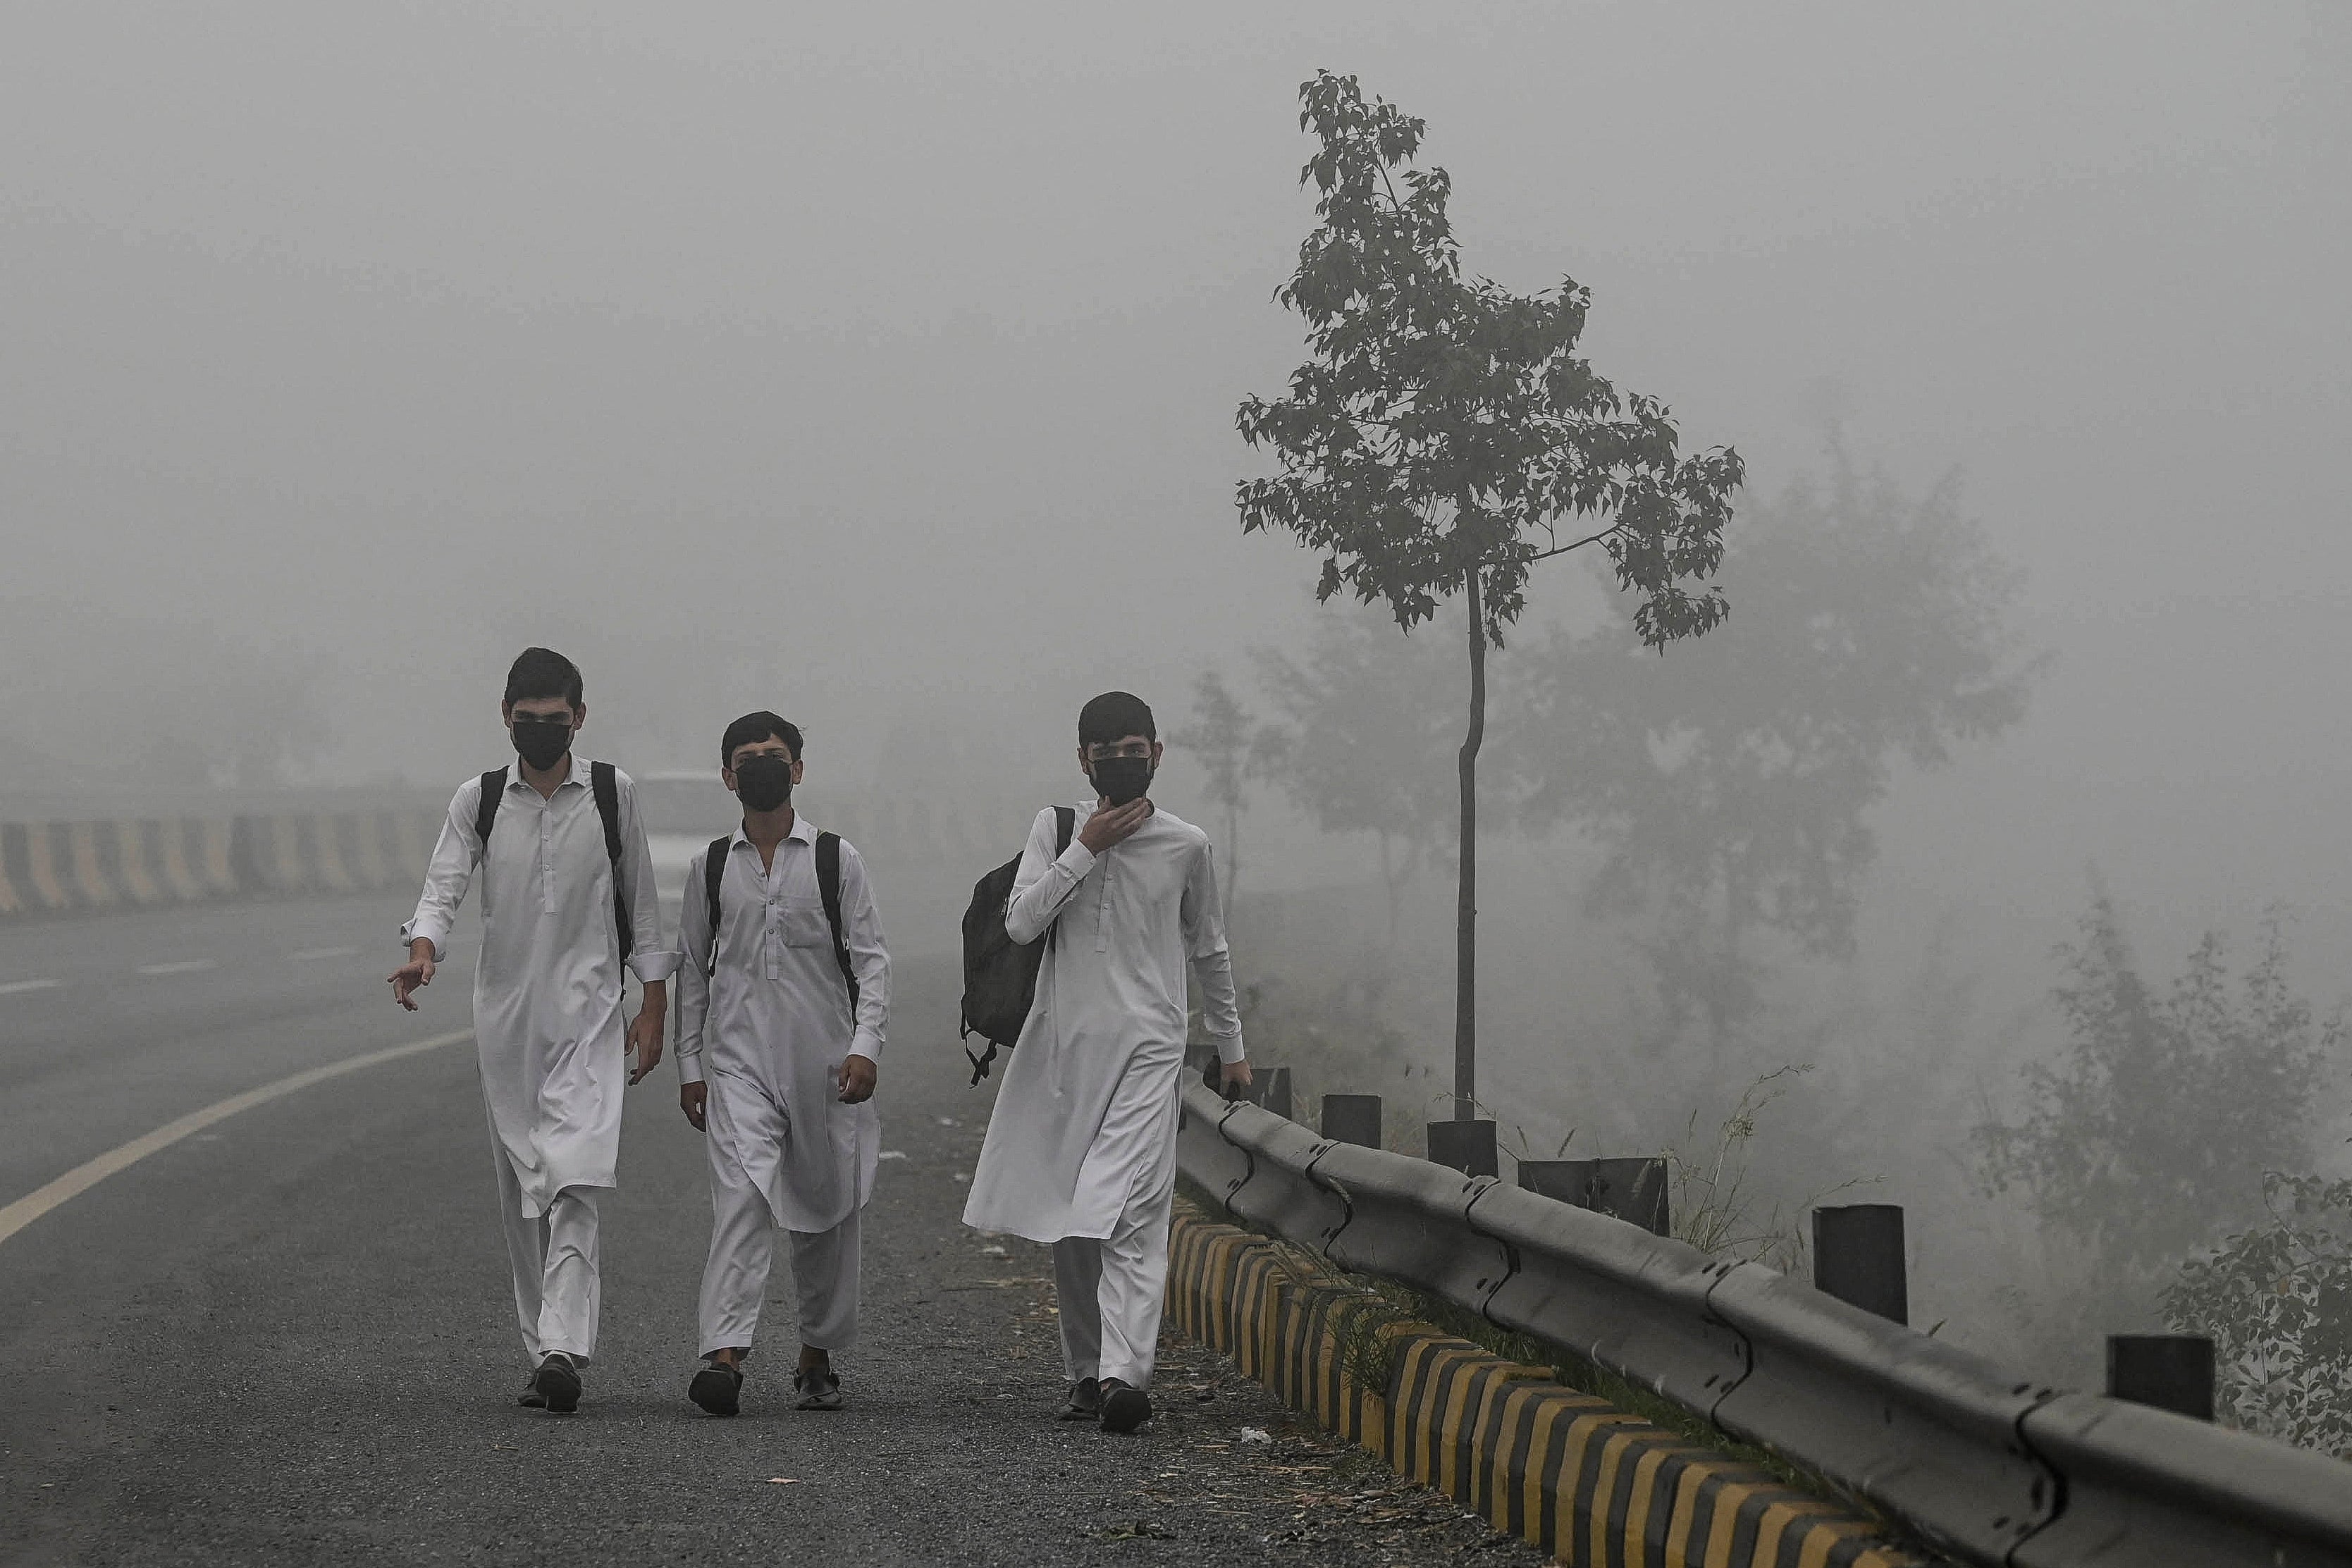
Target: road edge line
90,1173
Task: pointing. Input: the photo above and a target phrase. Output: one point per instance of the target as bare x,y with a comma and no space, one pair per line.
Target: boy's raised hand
1113,823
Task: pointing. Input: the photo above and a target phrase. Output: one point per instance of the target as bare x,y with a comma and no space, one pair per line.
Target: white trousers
1112,1291
742,1250
555,1262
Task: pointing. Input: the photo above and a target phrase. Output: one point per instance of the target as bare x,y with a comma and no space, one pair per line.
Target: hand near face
1114,824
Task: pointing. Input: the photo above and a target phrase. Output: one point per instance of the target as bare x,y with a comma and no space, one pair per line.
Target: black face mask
1121,778
541,742
763,783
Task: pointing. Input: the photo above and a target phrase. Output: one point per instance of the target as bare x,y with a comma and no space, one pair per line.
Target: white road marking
184,966
309,954
89,1174
17,988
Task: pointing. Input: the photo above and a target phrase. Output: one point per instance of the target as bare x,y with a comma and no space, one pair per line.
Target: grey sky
880,361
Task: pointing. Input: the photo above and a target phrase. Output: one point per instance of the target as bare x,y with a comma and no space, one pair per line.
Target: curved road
286,1337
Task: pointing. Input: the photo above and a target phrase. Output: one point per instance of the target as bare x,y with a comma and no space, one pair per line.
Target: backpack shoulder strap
714,871
829,886
485,810
604,781
1065,826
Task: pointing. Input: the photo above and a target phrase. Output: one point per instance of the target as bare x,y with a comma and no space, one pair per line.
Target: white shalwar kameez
767,1033
548,1028
1081,1148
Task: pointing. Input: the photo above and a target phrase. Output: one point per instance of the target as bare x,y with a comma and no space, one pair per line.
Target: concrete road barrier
52,868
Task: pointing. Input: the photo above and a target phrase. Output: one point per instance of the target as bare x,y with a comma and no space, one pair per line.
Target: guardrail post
2170,1371
1858,1257
1564,1181
1466,1146
1632,1190
1352,1119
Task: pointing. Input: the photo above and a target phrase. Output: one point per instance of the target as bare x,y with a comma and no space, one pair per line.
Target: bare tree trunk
1466,930
1233,855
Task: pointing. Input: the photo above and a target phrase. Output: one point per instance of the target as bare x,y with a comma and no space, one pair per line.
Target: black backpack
829,887
607,790
1000,975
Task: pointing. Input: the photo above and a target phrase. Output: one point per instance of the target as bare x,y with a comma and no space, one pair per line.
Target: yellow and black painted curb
61,868
1570,1472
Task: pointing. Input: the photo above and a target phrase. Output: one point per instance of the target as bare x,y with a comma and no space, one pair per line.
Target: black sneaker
1123,1408
1084,1402
819,1388
557,1384
531,1399
717,1388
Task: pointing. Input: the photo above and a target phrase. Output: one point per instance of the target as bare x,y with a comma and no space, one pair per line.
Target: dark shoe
557,1384
1086,1401
819,1388
530,1399
717,1388
1123,1408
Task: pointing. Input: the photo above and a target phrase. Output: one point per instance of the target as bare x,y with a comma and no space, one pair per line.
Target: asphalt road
288,1337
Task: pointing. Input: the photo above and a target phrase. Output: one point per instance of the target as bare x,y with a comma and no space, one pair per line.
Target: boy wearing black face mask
782,1012
1081,1147
567,899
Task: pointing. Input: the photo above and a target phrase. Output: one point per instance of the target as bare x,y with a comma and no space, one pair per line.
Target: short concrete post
1632,1190
1466,1146
1352,1119
1564,1181
1858,1257
2170,1371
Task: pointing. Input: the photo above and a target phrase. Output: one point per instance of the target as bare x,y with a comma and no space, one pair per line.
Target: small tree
1222,736
2155,1132
2277,1303
1444,428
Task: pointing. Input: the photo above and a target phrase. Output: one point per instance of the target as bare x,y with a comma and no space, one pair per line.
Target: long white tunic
1112,1001
769,1031
547,991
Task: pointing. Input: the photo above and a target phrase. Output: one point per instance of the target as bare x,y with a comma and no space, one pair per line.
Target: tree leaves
1443,424
2155,1130
2277,1301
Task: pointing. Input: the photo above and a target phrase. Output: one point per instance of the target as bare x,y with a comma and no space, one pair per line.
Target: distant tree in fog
1444,431
2153,1132
1728,786
1226,741
1364,717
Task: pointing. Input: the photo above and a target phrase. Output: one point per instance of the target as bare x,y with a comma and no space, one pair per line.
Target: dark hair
753,728
1112,717
542,673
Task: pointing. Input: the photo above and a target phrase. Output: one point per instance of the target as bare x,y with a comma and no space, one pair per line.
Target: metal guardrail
1991,1469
